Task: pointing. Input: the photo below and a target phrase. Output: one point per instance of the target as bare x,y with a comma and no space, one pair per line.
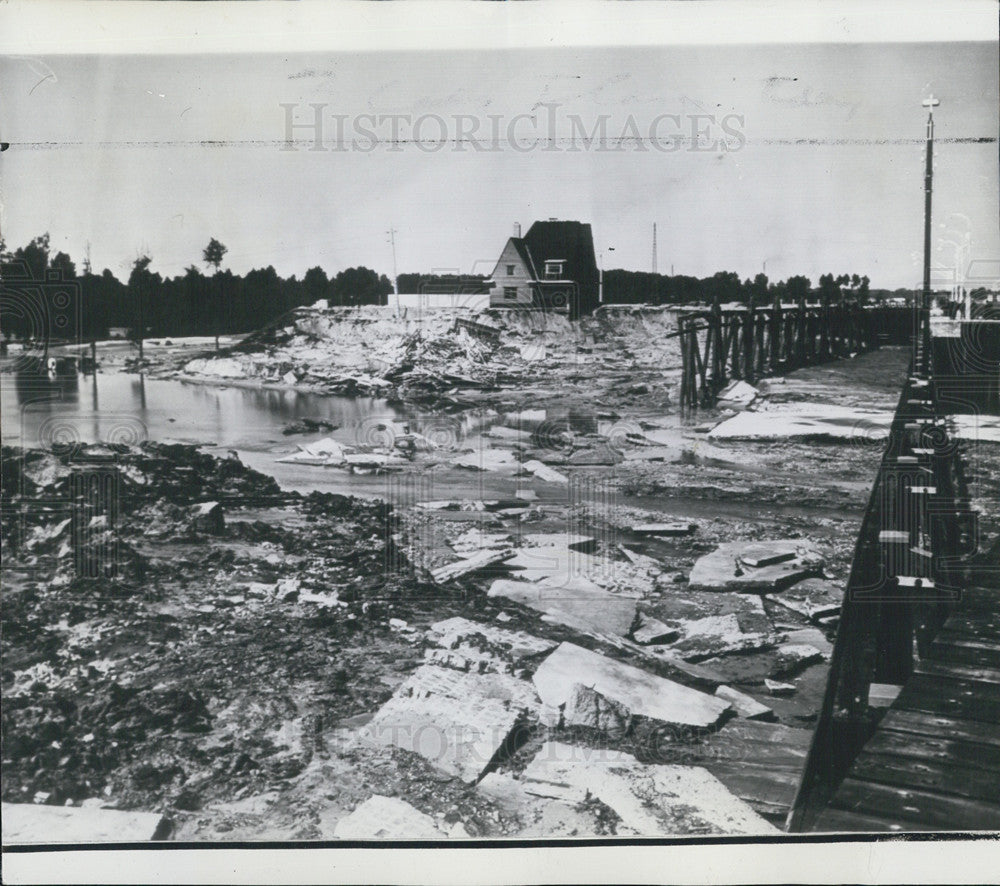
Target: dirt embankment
467,358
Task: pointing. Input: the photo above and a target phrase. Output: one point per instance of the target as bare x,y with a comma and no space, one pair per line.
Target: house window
553,269
510,293
510,270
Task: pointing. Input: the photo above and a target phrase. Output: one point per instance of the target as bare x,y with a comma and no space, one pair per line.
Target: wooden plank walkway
931,629
933,762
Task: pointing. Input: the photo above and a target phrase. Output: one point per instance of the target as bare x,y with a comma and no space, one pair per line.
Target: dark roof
571,241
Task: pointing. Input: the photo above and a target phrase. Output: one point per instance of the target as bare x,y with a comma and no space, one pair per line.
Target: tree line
198,302
210,299
634,287
644,287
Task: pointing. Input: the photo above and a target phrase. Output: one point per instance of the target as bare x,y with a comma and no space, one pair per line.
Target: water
41,409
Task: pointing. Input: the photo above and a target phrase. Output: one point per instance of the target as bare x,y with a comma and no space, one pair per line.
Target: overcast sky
158,154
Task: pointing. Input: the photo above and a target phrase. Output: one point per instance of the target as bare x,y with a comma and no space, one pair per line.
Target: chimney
517,229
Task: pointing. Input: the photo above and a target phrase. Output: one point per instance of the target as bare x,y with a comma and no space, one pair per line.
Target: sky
822,171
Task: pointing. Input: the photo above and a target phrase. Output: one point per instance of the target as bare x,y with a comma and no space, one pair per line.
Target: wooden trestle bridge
721,344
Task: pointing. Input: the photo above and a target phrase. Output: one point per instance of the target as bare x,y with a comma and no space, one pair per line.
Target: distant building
439,301
553,266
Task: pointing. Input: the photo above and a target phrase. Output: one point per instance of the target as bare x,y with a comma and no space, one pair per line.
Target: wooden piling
751,342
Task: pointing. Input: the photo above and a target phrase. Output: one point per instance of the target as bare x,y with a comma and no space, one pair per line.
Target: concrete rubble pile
648,799
549,638
421,354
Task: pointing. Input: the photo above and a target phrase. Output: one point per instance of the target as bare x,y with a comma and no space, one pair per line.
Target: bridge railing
904,580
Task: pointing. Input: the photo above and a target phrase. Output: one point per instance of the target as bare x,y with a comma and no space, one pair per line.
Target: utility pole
87,270
656,264
930,103
395,282
138,284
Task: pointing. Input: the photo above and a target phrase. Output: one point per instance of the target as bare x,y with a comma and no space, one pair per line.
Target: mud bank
454,359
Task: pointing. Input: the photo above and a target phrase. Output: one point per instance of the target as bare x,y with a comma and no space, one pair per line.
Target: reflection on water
40,407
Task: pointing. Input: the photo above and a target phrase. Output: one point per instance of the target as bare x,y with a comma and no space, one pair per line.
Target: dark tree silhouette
212,255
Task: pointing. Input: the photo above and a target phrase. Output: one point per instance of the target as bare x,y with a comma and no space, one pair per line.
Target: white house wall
521,279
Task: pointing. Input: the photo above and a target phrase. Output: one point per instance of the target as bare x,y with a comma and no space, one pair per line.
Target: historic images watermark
316,126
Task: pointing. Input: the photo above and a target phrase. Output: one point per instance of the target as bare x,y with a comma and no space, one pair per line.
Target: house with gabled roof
553,267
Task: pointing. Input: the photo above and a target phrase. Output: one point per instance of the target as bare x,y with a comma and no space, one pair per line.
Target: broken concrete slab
793,658
464,635
25,823
545,775
256,804
386,818
681,604
482,560
815,598
729,567
746,706
583,543
651,452
375,460
668,530
717,635
589,708
806,420
652,631
812,637
442,505
764,555
331,600
639,692
500,432
474,540
544,472
775,687
476,505
546,456
536,563
650,800
576,601
643,561
327,446
457,721
524,419
596,455
503,789
557,564
208,517
737,394
487,460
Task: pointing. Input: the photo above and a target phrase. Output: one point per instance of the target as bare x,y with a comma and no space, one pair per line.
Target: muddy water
114,406
117,407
